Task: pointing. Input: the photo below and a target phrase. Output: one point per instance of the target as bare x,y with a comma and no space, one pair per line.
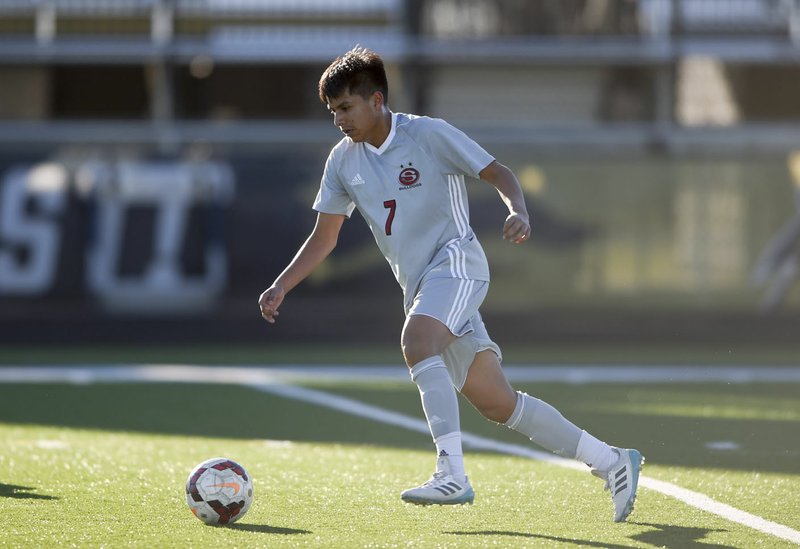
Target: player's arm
517,227
316,248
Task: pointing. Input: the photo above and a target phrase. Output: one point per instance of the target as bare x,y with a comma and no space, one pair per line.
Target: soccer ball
219,491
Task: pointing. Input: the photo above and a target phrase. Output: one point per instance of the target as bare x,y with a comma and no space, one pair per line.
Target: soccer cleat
441,489
622,480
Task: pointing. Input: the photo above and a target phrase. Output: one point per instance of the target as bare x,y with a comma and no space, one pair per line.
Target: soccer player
405,174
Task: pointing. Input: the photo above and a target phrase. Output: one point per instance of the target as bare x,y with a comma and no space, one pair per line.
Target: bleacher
433,46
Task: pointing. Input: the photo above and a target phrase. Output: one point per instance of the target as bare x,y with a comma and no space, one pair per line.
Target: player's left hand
517,228
269,301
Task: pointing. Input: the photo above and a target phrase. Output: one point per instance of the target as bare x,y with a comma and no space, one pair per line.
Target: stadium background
158,160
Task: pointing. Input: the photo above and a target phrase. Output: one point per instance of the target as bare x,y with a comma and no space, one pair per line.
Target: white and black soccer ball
219,491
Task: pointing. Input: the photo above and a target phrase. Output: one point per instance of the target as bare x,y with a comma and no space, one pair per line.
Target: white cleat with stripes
622,480
441,489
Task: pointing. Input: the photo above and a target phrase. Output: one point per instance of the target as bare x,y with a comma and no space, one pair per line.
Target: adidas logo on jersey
357,180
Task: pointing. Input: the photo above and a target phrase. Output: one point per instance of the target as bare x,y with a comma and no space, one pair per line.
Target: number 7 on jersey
390,205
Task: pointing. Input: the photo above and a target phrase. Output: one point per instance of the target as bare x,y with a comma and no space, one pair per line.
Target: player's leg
488,389
440,313
424,338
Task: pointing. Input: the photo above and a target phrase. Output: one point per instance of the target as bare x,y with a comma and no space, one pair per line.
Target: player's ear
377,99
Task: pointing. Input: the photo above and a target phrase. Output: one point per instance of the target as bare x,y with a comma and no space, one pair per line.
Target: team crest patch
409,176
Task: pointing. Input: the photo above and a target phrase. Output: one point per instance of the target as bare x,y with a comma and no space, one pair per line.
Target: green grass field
104,464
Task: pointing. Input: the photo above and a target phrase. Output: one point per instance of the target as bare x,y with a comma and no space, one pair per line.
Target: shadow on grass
197,410
669,535
21,492
212,410
664,535
571,541
267,529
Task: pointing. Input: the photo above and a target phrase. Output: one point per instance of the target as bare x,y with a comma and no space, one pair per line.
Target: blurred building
158,159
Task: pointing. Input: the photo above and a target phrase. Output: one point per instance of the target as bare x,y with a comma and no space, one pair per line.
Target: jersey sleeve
332,197
457,151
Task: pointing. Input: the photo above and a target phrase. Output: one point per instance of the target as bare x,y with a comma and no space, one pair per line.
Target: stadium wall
142,247
158,161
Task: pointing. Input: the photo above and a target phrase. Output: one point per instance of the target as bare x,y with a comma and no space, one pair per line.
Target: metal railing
587,18
161,22
162,34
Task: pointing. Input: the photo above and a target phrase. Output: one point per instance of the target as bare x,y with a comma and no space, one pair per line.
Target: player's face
356,117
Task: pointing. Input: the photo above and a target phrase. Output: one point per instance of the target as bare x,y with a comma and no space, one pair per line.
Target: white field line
276,381
368,374
367,411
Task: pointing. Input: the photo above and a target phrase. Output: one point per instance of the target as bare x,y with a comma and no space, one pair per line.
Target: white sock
544,425
449,447
596,453
440,403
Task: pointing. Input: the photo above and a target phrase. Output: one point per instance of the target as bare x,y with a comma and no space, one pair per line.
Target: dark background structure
158,161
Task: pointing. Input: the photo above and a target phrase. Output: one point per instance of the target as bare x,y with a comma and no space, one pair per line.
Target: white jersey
412,194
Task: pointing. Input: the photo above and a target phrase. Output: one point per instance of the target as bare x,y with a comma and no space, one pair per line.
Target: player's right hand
269,301
517,228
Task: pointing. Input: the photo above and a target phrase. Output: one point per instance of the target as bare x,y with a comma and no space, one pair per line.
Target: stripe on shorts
460,302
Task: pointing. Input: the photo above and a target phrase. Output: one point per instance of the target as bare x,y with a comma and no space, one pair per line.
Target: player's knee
497,411
497,406
415,350
417,344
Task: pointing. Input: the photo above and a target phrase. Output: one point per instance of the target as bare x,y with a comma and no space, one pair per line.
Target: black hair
358,71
